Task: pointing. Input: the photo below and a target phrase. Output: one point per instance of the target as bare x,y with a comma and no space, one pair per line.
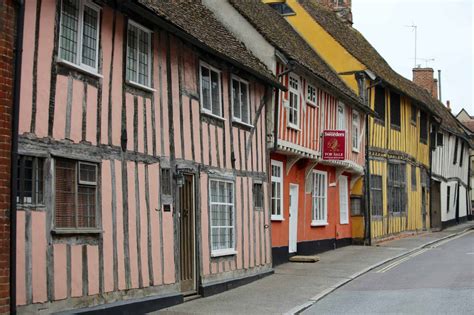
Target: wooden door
435,214
187,235
293,230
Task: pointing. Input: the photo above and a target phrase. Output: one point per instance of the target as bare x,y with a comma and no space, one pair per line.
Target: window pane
69,30
132,37
143,58
216,104
165,181
89,37
87,173
65,194
206,88
236,98
86,207
244,102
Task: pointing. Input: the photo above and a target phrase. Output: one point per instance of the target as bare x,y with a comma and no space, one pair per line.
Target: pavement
295,287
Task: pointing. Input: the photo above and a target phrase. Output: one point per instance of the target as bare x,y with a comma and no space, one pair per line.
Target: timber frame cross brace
290,161
308,178
339,171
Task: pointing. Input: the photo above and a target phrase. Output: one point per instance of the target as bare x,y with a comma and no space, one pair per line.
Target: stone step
304,259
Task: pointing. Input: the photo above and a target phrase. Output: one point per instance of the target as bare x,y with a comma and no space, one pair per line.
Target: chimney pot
448,105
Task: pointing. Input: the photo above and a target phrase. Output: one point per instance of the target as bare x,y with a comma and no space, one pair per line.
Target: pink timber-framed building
143,161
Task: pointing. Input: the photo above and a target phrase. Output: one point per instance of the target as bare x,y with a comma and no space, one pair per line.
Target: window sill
76,232
345,223
206,113
291,126
311,104
140,86
413,123
238,122
277,219
224,252
379,121
78,68
395,127
318,223
355,150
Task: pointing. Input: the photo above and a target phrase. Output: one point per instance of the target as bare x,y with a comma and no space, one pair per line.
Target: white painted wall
244,31
442,165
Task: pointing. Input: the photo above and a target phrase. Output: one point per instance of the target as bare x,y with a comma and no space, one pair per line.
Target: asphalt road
436,280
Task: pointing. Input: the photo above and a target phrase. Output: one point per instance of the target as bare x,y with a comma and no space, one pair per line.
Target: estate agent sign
334,144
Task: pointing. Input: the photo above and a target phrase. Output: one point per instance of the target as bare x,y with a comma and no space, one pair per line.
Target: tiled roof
355,43
194,19
280,34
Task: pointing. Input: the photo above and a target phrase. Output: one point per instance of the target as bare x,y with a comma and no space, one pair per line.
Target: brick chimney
343,8
423,77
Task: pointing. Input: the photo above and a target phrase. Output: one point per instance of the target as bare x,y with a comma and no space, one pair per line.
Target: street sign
334,144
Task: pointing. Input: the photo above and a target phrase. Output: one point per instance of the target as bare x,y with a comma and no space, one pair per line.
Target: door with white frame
293,230
343,200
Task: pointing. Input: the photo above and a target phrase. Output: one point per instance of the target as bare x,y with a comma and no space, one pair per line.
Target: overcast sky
444,31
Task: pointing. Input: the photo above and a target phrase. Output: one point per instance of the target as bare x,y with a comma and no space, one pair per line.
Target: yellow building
398,139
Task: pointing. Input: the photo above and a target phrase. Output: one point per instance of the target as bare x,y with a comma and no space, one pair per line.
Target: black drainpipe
14,152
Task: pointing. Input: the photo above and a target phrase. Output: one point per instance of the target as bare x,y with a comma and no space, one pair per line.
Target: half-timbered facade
143,165
309,196
449,160
397,183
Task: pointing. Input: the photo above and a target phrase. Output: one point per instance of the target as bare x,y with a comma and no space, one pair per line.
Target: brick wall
7,42
424,77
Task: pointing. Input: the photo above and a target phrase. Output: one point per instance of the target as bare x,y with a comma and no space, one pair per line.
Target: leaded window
293,101
277,190
423,127
395,109
30,183
355,131
258,196
222,216
210,90
240,100
413,177
311,95
341,116
75,194
79,33
397,196
356,206
379,106
376,195
320,202
165,181
138,54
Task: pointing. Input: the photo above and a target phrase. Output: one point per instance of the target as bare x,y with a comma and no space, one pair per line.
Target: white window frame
234,118
355,132
149,33
231,250
277,217
315,221
205,110
295,92
80,25
311,99
343,202
340,118
83,182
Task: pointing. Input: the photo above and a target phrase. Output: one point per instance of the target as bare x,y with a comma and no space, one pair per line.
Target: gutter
14,151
